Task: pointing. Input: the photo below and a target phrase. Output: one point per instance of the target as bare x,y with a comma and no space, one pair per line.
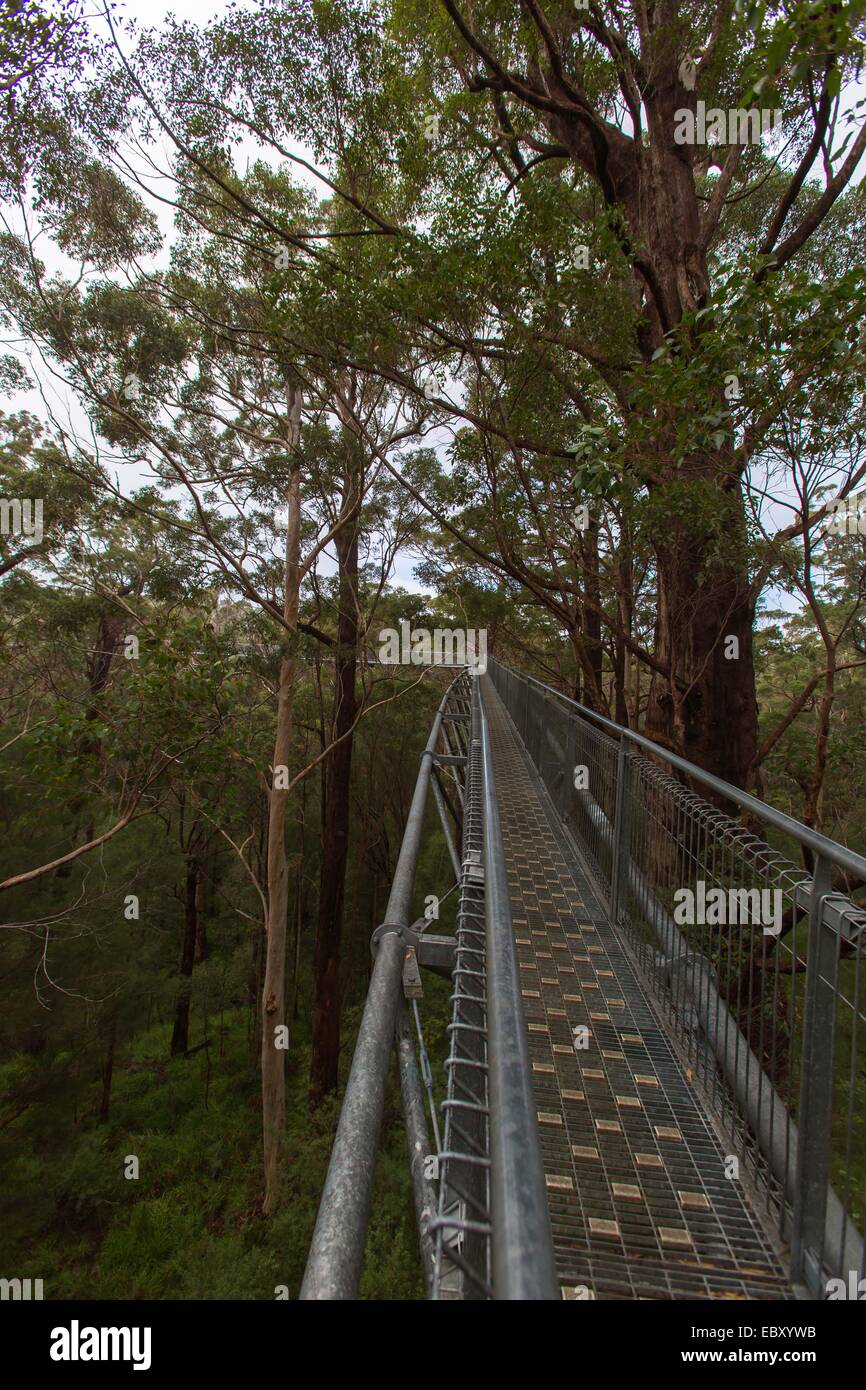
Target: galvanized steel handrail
819,844
523,1261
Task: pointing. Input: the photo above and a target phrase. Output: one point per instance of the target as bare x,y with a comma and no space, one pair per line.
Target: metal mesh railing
462,1226
757,964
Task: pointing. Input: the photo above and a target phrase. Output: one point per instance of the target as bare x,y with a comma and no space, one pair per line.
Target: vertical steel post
424,1191
816,1088
446,825
567,790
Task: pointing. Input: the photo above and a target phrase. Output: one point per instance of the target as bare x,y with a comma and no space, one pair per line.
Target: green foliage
189,1226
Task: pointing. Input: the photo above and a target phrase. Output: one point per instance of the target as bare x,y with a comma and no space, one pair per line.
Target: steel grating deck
639,1202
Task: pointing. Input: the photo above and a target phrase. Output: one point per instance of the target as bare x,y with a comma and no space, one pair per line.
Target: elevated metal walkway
640,1102
640,1206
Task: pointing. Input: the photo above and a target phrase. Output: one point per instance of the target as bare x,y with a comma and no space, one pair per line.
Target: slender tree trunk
296,952
108,641
575,637
180,1032
814,810
108,1072
626,709
591,620
299,904
274,990
636,692
254,993
325,1054
200,913
620,712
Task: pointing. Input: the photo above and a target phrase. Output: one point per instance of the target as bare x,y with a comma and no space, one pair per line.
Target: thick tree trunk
325,1054
274,990
575,638
112,628
709,712
708,709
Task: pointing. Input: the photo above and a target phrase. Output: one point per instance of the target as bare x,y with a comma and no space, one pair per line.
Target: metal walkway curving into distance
644,1098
